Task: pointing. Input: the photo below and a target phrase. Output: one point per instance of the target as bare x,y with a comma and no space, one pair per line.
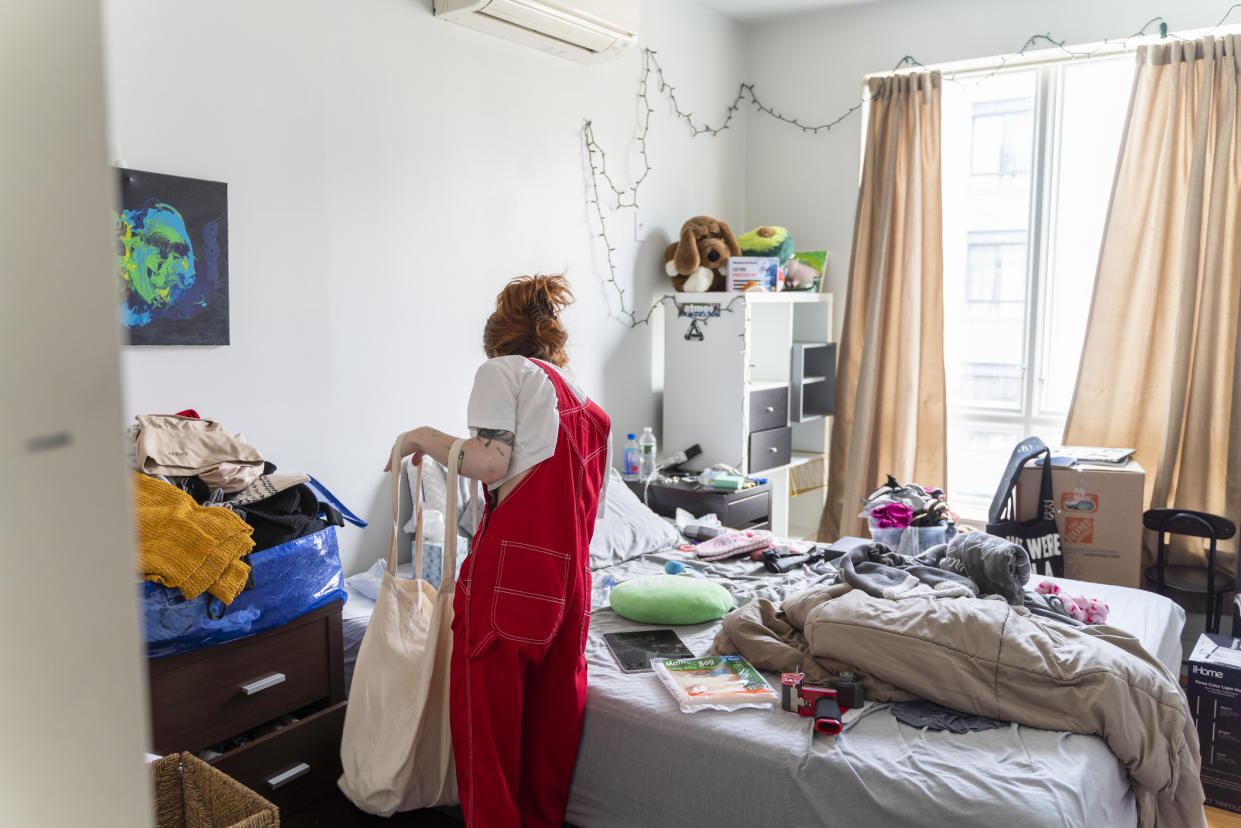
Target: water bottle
629,458
646,456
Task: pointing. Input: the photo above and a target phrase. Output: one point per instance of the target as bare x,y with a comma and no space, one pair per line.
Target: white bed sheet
643,762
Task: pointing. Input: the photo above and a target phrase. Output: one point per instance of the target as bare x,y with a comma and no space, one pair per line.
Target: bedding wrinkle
987,658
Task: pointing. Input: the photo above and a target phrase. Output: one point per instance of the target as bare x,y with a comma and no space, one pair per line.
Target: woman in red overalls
522,605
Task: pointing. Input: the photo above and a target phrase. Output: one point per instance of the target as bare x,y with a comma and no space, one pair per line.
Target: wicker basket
189,793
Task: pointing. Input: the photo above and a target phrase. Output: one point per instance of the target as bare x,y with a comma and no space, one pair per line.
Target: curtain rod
1055,54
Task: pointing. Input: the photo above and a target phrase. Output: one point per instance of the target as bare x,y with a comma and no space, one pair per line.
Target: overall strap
450,518
566,400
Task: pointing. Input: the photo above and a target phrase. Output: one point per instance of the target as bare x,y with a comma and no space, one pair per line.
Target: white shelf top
796,458
753,296
767,385
808,380
803,532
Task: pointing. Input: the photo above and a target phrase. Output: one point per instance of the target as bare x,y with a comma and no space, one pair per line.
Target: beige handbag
396,749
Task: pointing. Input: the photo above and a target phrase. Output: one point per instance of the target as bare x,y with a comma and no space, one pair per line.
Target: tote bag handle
450,518
1002,507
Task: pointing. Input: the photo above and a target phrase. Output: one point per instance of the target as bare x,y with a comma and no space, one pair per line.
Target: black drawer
770,448
736,510
769,408
207,695
294,766
745,511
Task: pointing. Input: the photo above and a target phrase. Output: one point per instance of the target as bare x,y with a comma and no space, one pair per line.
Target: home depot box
1214,690
1099,513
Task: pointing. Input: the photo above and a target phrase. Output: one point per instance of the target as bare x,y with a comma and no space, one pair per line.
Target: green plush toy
767,240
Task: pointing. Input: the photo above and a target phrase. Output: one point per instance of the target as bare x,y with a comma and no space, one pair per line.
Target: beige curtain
1158,369
890,408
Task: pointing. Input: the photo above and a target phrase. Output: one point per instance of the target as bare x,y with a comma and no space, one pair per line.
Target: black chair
1209,581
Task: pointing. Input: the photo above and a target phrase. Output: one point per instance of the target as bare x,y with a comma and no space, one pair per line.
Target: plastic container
913,540
646,455
629,458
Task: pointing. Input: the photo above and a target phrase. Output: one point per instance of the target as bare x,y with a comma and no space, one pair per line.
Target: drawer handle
300,769
771,409
773,449
265,683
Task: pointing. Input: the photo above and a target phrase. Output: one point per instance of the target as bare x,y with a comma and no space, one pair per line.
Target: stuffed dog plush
698,262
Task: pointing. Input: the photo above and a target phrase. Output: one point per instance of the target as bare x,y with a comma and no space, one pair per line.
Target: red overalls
520,617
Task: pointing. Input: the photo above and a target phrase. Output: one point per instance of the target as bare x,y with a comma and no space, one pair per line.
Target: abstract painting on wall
172,259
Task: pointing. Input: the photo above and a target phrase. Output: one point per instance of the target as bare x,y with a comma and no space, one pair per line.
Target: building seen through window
1028,159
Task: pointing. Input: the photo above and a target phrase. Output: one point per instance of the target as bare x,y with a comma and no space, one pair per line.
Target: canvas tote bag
1039,535
396,748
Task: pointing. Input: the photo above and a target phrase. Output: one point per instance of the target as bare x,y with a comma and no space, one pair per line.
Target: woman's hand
413,443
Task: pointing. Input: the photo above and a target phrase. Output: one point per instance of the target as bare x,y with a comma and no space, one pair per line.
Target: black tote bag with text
1039,536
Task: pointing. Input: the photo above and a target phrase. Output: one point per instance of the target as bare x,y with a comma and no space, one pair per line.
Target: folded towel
185,546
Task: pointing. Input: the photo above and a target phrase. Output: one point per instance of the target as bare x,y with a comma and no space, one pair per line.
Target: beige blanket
991,659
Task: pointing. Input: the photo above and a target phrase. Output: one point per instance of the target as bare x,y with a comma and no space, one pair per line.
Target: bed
643,762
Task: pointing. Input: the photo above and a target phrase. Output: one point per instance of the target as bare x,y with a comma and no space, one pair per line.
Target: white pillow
625,528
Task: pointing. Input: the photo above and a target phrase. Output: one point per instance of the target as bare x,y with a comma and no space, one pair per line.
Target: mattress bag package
719,682
285,581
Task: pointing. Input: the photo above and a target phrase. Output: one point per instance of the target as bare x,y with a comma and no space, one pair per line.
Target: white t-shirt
511,393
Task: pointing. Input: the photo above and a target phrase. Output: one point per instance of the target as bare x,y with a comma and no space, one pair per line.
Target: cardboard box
1214,690
763,271
1099,514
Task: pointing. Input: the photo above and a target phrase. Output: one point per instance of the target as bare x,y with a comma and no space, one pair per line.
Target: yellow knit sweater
189,547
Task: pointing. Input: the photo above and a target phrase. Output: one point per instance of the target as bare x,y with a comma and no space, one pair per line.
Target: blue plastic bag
288,580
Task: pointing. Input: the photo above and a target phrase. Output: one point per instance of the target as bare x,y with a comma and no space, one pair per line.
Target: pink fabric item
891,516
733,544
1086,610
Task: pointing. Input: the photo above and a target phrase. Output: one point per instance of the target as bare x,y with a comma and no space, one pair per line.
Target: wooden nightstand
296,671
744,509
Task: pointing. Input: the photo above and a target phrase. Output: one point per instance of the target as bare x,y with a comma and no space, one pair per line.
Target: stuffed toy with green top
767,240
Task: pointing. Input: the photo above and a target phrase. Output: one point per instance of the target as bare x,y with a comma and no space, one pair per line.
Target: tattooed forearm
487,436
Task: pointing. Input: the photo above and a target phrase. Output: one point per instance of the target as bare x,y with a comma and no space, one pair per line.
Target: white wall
811,66
72,692
388,172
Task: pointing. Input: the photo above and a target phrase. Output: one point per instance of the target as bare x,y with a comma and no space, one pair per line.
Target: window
1028,160
995,268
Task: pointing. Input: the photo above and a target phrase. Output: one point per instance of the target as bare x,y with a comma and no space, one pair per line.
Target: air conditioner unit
583,30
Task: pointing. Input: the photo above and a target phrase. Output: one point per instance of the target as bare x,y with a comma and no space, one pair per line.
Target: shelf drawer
745,512
203,697
770,448
769,408
294,766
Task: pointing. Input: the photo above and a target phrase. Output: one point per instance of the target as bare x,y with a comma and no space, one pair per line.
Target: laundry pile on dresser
207,502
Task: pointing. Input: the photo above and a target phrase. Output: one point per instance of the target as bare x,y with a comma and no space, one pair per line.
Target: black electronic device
695,532
634,650
849,691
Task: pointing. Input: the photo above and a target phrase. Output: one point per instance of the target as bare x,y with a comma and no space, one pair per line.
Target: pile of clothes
899,506
206,499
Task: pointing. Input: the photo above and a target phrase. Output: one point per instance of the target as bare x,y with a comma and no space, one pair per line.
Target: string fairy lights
603,185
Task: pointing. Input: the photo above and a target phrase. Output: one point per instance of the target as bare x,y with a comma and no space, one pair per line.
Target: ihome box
1214,689
1099,513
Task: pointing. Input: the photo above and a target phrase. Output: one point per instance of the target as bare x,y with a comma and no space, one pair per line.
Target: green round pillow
670,599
